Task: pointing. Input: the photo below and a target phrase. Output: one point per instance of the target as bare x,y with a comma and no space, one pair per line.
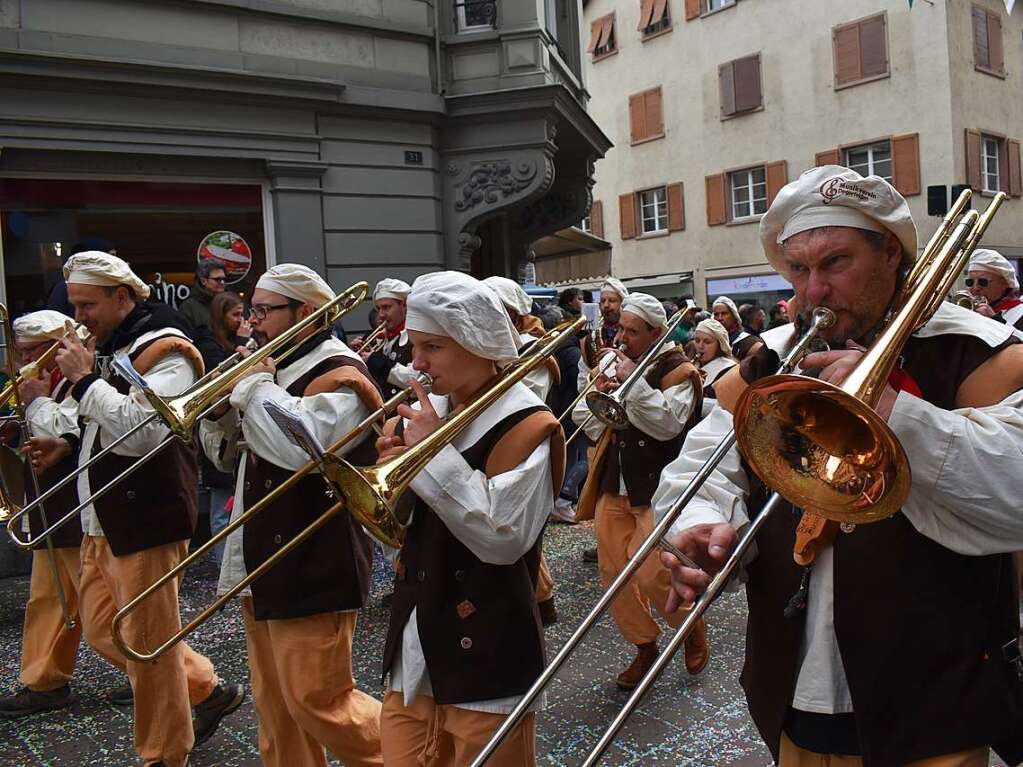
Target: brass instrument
182,412
605,366
856,459
375,341
967,300
593,338
33,369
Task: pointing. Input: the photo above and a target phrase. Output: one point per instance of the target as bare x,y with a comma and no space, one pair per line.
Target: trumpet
181,413
967,300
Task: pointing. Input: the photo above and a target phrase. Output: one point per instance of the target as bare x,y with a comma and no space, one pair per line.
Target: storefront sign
168,292
753,283
230,251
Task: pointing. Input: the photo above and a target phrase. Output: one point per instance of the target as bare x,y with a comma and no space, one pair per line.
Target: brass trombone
375,341
181,413
33,369
967,300
603,366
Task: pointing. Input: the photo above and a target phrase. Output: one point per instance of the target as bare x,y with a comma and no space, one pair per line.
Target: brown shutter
660,7
597,219
846,43
1015,179
637,118
906,163
654,114
717,212
981,49
777,177
676,208
627,215
596,31
692,9
830,157
746,73
873,47
726,84
973,159
994,40
646,10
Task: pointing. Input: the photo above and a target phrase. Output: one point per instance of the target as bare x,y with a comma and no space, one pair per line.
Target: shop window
871,159
475,15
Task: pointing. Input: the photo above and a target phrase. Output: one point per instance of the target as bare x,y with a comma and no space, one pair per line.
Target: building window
740,86
988,55
871,159
710,6
646,116
860,51
654,17
473,15
990,163
603,37
749,192
653,210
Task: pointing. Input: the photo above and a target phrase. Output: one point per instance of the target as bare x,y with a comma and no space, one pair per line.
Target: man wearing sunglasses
210,279
992,277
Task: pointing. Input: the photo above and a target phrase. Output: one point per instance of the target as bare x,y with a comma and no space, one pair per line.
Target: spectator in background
210,279
778,315
570,301
58,300
753,318
228,323
683,332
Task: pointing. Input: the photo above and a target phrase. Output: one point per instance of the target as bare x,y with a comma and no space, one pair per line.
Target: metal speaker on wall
937,200
958,189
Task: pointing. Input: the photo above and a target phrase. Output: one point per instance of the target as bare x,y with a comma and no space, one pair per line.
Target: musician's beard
851,324
611,317
261,337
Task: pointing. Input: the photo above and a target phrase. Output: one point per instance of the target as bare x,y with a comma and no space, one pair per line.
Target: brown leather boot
646,654
697,651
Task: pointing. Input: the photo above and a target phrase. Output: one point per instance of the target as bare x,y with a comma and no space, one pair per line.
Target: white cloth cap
726,301
391,288
714,328
690,306
512,294
297,282
94,267
43,325
460,307
835,196
616,285
646,307
986,260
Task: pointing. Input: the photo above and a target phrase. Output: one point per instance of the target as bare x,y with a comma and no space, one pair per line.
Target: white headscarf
986,260
462,308
391,288
616,285
646,307
43,325
726,301
714,328
512,294
297,282
94,267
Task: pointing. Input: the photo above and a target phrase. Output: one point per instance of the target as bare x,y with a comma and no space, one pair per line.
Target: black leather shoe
224,699
121,696
26,701
590,555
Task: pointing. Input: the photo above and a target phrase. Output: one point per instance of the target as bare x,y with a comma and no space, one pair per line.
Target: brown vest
70,535
478,623
331,569
155,505
637,456
920,628
399,355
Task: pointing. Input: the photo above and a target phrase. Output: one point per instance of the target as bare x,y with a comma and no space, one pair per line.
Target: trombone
180,413
375,341
33,369
967,300
604,366
859,472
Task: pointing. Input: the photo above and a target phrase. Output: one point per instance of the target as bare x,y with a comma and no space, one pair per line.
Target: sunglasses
982,281
221,280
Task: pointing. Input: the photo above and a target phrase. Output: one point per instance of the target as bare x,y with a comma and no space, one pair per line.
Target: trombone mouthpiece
823,317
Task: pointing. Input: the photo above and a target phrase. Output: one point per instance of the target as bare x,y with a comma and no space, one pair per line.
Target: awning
568,242
658,280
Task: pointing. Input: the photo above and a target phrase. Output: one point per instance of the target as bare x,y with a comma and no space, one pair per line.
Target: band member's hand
365,354
356,343
624,366
266,365
985,310
33,388
45,452
75,359
245,329
836,365
388,447
420,424
709,546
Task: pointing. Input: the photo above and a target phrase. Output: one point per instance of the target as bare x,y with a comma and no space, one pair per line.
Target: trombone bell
368,495
608,410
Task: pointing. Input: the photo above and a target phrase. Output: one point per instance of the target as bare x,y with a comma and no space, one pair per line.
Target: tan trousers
304,692
48,649
620,532
793,756
427,735
544,581
166,690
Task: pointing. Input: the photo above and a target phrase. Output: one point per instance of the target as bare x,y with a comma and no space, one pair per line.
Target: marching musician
48,648
898,643
300,616
742,341
714,357
464,640
612,293
990,277
391,364
141,529
662,406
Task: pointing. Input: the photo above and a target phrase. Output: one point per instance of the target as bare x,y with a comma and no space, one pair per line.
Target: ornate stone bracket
565,204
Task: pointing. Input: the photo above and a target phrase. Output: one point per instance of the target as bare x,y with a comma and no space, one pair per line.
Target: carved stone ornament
490,182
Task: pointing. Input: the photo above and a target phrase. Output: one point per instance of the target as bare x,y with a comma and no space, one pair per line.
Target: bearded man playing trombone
141,528
300,615
895,642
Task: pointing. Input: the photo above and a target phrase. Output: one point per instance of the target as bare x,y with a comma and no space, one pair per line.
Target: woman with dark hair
570,301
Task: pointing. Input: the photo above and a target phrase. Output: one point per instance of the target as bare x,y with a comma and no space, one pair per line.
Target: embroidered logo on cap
837,186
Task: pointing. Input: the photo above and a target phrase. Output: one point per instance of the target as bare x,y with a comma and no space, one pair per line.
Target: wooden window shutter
660,8
597,219
676,208
906,163
1015,178
873,47
726,83
646,10
973,159
608,38
981,49
692,9
717,208
996,56
596,32
637,117
846,43
830,157
627,215
746,76
777,177
654,120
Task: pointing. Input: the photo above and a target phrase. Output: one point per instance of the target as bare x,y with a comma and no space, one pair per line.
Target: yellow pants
304,692
793,756
427,735
621,530
166,690
544,581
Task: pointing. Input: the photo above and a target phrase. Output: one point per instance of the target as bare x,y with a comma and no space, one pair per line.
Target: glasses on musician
260,311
